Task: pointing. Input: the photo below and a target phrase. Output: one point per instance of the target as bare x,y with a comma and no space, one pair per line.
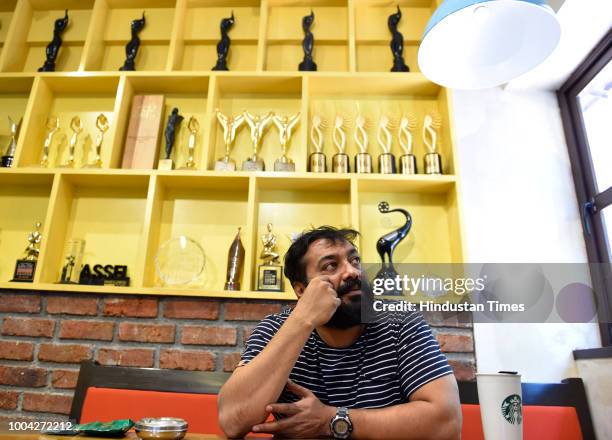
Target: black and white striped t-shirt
384,366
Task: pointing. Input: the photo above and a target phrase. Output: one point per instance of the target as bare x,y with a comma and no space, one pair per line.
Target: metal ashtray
164,428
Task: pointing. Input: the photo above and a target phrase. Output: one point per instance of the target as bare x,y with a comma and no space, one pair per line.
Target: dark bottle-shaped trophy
308,64
174,120
397,43
25,268
223,45
235,261
54,46
131,49
387,244
9,157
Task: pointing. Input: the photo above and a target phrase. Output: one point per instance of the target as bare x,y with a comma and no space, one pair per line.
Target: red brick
98,330
64,378
8,399
19,303
243,311
246,332
464,370
23,376
448,319
203,335
452,342
129,331
187,360
230,360
16,350
130,307
190,309
36,327
53,403
72,305
65,353
129,357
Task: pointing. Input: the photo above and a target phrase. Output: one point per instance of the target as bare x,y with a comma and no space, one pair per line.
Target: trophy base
165,165
308,65
66,165
433,163
24,271
270,278
408,164
188,166
284,165
95,165
225,165
363,163
399,65
7,161
317,163
388,273
253,165
386,164
340,163
232,285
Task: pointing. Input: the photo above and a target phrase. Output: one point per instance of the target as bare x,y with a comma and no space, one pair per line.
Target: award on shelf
235,261
77,127
53,126
179,261
386,161
317,162
9,157
230,127
25,268
408,163
363,160
102,126
397,43
340,160
170,134
270,273
104,275
131,49
194,127
307,64
73,258
258,126
223,45
285,125
143,132
387,244
432,160
54,46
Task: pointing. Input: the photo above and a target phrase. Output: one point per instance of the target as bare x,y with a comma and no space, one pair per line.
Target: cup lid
165,424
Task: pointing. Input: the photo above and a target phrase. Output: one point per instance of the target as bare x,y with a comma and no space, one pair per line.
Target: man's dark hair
295,269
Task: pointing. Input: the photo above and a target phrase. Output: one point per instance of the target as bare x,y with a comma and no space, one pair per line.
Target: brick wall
45,336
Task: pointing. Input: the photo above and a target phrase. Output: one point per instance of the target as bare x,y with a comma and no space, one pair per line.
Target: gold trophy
317,162
193,126
432,160
102,126
363,160
9,157
285,124
230,127
258,126
340,160
25,268
270,273
76,125
235,261
53,125
408,163
386,161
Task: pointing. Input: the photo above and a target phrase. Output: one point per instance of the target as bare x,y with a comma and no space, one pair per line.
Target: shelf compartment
24,199
208,209
110,32
7,8
259,95
14,95
65,97
284,34
107,211
31,31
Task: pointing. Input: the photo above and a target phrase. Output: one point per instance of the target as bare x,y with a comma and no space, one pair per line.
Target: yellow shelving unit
125,215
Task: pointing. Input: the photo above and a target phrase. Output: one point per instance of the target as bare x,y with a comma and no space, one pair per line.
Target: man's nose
350,271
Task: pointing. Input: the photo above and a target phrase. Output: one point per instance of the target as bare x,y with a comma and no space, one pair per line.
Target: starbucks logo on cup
512,410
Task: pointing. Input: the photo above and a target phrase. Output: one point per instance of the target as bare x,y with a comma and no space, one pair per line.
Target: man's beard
349,314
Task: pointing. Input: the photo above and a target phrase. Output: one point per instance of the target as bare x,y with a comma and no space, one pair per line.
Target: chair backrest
551,410
107,393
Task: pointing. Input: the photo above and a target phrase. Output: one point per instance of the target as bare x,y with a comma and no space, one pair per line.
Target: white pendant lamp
476,44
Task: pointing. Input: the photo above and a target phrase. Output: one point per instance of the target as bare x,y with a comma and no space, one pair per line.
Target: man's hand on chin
306,418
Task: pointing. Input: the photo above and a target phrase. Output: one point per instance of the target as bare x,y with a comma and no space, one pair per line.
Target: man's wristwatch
341,426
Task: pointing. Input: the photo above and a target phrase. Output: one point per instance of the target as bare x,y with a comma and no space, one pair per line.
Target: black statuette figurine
173,121
308,65
397,43
54,46
131,49
223,45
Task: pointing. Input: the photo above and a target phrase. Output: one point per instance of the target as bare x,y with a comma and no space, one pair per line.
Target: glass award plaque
179,261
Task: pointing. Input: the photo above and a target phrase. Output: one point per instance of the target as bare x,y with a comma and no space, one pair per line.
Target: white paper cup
501,405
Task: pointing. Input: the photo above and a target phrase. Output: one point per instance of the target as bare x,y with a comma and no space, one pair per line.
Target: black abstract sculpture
397,43
173,120
308,65
131,49
223,45
54,46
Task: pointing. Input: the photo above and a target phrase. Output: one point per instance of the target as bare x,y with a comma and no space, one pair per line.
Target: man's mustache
348,286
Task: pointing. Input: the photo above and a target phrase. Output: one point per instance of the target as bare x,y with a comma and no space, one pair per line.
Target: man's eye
356,261
329,266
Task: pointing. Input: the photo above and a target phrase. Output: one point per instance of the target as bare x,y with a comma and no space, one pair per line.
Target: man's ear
299,288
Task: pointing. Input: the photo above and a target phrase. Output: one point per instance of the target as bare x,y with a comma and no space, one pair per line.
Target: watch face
341,427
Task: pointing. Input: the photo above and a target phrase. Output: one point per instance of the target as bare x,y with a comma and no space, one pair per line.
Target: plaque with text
142,140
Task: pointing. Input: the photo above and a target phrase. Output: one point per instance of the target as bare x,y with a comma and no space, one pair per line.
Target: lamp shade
475,44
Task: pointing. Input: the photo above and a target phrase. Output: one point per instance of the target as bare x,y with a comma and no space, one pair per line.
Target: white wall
596,376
